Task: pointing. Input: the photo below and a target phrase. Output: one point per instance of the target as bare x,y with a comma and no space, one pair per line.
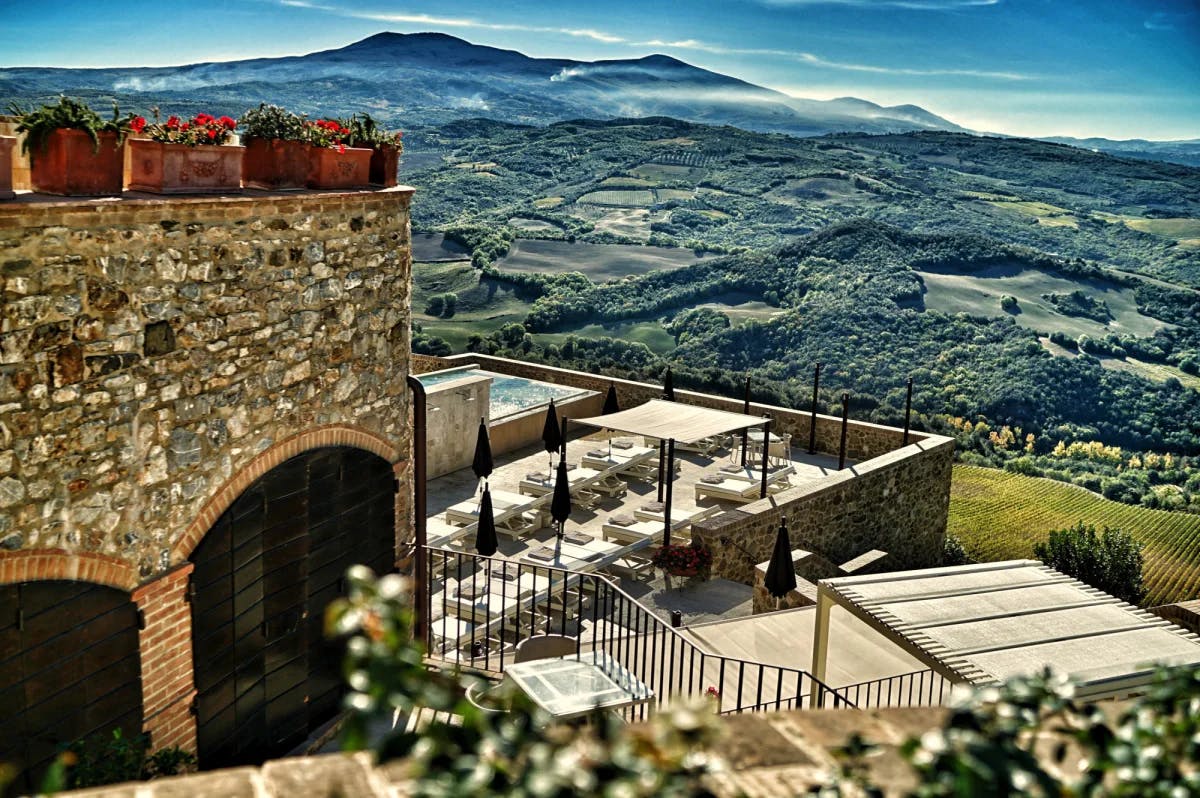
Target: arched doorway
265,675
69,669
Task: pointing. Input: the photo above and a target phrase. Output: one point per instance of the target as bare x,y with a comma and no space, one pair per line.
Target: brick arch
315,438
31,565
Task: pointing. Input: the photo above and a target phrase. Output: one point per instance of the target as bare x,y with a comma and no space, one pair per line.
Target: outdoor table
573,686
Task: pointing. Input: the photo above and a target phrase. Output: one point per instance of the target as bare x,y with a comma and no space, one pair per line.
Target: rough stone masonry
151,349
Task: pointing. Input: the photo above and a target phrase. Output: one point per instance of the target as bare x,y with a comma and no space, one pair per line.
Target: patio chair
544,647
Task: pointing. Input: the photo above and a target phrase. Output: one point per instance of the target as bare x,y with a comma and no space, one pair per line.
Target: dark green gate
69,669
265,675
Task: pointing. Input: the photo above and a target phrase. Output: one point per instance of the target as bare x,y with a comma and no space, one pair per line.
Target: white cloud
913,5
453,22
819,61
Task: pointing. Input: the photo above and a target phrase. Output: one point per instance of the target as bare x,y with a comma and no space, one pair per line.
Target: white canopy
986,623
665,420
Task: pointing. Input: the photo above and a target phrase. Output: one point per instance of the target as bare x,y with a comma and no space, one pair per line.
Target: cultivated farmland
999,516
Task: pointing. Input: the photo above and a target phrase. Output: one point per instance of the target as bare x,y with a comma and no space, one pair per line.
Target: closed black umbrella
610,401
551,434
485,533
669,386
560,504
482,464
781,573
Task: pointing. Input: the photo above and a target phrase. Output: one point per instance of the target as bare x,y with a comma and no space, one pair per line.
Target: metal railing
925,688
481,607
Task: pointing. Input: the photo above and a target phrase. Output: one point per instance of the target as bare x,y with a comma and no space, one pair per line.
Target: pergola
983,624
671,423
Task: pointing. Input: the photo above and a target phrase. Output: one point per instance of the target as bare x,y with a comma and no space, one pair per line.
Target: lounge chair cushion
545,553
622,444
537,476
600,453
622,519
578,538
654,507
712,479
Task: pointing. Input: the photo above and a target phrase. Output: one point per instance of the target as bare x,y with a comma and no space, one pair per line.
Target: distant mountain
1186,151
431,78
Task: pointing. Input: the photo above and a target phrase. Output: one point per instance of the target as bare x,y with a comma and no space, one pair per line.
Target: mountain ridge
432,77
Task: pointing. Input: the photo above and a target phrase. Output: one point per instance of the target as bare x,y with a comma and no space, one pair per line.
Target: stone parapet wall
863,439
898,502
151,349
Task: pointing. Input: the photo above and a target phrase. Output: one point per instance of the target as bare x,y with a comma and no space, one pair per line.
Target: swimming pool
509,395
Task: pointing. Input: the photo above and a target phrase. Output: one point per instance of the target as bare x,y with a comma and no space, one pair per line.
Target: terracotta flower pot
163,168
7,143
67,165
274,164
330,168
385,163
683,571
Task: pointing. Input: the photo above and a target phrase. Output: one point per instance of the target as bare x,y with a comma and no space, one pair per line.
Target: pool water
509,394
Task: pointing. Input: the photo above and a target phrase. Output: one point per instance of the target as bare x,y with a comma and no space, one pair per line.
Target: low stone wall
898,502
863,439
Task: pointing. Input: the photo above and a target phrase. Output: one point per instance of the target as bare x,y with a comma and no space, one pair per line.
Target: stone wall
453,410
863,439
150,350
898,502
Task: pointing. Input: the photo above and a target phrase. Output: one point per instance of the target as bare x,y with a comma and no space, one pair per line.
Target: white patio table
573,686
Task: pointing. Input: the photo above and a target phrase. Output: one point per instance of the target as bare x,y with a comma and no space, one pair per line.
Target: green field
999,516
742,307
1046,214
979,294
650,333
1168,228
483,307
623,199
601,262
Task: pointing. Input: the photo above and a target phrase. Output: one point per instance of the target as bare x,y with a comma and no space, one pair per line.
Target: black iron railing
481,607
917,689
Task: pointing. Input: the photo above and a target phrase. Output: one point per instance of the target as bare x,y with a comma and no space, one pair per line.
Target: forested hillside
1039,295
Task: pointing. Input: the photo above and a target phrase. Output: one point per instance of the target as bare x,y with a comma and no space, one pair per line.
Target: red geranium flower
137,124
172,123
212,134
228,122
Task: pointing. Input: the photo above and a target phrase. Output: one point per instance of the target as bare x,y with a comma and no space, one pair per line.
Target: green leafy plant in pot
385,147
72,150
276,154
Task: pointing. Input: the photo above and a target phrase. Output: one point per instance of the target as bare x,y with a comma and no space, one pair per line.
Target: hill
999,516
430,78
1025,286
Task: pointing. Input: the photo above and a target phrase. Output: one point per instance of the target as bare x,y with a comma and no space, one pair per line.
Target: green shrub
1110,561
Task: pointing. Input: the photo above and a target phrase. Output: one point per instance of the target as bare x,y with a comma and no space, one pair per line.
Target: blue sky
1026,67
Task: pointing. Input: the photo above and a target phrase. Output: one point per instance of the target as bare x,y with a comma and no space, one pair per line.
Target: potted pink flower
332,164
190,156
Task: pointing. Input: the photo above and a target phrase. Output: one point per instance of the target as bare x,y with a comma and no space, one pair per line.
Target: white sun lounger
632,533
680,517
751,474
735,490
